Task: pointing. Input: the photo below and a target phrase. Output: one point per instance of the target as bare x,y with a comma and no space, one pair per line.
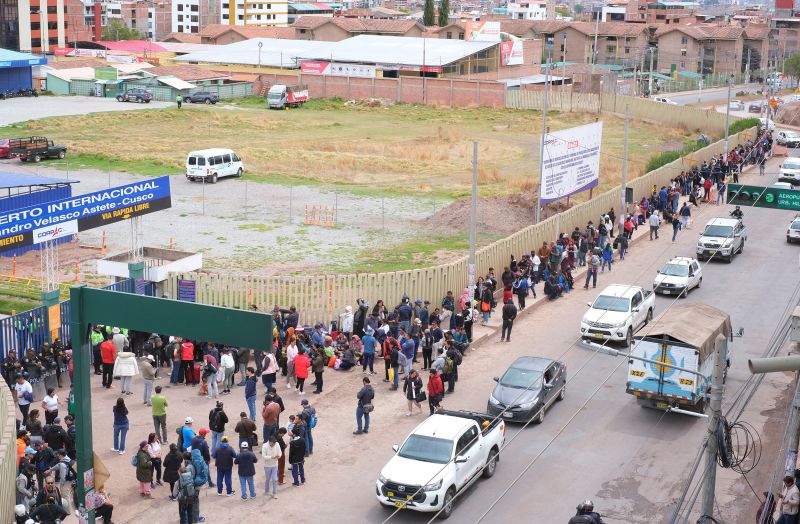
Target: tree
116,31
563,11
578,8
791,66
428,18
444,12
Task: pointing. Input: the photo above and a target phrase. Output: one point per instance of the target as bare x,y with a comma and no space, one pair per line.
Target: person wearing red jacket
301,365
187,363
435,390
108,354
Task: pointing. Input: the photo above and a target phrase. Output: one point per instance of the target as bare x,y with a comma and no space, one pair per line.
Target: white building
255,12
614,12
533,10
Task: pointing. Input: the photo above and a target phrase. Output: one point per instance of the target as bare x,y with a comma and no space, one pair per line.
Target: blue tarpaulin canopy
10,58
689,74
12,184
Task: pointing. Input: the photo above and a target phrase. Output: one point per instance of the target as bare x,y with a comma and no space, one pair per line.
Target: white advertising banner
571,161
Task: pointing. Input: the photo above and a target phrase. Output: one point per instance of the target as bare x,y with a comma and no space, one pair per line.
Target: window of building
269,6
302,31
684,40
461,36
180,7
195,8
241,17
195,29
627,50
180,18
610,48
194,18
35,26
52,25
225,17
53,40
683,52
51,9
226,6
683,65
180,29
449,35
36,42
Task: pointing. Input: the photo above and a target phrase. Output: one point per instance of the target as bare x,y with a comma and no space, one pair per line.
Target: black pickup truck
34,149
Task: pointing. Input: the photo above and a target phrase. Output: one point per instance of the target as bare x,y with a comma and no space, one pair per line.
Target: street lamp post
260,45
728,115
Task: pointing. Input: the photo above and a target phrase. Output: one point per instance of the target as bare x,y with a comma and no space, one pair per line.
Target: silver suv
722,237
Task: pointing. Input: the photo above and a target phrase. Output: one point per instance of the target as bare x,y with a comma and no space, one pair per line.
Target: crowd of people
442,333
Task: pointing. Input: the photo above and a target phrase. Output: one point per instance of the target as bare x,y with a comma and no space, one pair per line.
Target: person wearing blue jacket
200,478
225,455
608,257
187,433
247,470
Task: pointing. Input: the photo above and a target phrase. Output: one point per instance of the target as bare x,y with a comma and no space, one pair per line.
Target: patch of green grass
24,294
248,101
410,254
103,163
261,228
15,305
324,104
741,125
301,231
222,239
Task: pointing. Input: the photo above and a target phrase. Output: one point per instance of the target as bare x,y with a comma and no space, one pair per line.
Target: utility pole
650,81
544,134
623,204
700,90
747,68
596,30
715,403
727,116
473,218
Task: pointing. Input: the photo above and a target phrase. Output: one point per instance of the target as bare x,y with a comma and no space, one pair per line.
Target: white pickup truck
617,313
444,455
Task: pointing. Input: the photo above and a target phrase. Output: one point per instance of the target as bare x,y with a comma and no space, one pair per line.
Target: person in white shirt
790,502
271,452
126,367
24,396
346,321
654,222
50,406
228,365
291,352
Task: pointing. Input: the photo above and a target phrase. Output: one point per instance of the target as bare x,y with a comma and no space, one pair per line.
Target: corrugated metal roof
9,180
273,52
177,83
9,58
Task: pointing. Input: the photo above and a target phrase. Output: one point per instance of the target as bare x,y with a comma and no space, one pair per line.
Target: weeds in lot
399,149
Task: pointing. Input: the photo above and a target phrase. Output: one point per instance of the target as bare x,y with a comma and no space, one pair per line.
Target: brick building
39,26
340,28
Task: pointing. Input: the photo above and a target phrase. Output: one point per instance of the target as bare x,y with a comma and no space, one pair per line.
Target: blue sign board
187,291
66,217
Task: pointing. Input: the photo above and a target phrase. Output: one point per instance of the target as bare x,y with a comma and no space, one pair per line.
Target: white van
211,164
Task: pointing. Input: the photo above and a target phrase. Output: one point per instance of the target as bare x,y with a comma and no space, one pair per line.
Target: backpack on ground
448,365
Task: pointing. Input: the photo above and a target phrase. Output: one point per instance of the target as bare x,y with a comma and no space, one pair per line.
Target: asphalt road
598,443
709,95
16,110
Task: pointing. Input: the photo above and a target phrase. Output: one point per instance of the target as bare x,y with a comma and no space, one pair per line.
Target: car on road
722,237
136,95
766,123
665,100
203,97
35,149
790,170
783,185
678,276
527,389
4,147
617,313
443,456
793,232
736,105
754,107
209,165
788,138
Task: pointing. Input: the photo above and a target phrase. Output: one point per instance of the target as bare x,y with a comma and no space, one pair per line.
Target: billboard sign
71,51
338,69
105,73
511,52
482,31
66,217
571,161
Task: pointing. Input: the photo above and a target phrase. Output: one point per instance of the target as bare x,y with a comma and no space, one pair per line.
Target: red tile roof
704,32
214,30
183,38
359,25
756,33
133,46
75,63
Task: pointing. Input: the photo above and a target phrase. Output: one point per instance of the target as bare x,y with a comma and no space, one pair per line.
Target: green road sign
760,196
155,315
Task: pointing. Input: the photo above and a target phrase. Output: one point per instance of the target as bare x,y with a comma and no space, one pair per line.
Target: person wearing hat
199,443
368,357
246,460
148,370
187,433
223,461
346,321
581,517
144,469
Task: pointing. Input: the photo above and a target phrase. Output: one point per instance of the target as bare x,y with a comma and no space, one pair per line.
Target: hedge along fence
321,298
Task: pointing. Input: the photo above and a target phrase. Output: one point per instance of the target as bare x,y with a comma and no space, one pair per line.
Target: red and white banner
482,31
511,53
71,51
148,59
316,68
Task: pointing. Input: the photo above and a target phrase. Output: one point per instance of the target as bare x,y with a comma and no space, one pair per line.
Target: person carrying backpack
216,423
309,415
187,496
454,355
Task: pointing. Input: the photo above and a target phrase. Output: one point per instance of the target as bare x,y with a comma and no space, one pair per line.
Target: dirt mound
496,215
789,113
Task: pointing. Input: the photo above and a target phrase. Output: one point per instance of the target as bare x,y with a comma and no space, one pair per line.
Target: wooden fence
321,298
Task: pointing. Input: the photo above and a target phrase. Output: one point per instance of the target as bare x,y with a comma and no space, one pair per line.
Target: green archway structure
157,315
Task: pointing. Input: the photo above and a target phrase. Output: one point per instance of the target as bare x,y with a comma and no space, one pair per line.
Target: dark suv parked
135,95
203,97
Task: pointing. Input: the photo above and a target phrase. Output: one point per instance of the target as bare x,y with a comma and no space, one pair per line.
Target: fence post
398,89
451,92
